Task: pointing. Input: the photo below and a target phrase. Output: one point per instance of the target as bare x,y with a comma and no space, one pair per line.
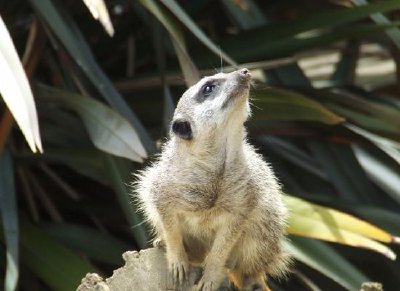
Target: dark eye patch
208,90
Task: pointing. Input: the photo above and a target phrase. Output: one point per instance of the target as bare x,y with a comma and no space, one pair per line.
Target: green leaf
119,175
9,219
286,30
256,48
174,7
168,102
393,33
108,130
289,75
284,105
58,267
16,92
365,121
189,69
247,18
390,147
99,246
325,260
343,169
345,69
383,175
70,36
293,154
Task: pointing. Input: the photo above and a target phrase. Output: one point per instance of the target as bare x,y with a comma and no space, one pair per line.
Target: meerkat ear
182,128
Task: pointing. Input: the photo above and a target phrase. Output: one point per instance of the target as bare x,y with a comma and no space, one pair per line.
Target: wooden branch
147,270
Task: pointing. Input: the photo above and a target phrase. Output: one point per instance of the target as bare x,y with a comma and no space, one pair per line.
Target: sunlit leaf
314,221
16,92
99,11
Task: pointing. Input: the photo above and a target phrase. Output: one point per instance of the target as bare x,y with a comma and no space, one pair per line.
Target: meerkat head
218,102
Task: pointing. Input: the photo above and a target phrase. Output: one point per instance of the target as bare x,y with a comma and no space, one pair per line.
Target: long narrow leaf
119,176
324,259
99,246
334,17
189,69
16,92
99,11
310,220
390,147
312,228
257,48
188,22
9,219
284,105
378,17
379,172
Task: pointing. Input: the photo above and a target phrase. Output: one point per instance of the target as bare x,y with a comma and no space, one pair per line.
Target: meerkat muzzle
243,78
238,85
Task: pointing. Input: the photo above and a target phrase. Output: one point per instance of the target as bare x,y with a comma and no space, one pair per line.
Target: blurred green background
326,114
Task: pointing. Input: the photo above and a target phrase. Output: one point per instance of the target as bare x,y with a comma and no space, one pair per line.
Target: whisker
255,106
220,56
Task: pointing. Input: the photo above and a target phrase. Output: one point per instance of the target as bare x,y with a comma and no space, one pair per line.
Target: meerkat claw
179,273
205,286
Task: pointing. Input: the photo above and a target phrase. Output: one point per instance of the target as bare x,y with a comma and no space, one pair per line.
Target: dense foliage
104,105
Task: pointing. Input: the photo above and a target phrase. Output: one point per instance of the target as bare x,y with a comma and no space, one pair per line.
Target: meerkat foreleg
215,263
178,263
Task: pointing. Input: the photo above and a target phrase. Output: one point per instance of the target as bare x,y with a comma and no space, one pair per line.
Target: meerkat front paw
179,271
159,243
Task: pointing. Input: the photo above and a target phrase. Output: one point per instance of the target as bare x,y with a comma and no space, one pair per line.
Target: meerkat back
211,199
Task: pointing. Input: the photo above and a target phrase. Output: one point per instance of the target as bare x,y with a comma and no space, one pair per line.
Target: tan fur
212,199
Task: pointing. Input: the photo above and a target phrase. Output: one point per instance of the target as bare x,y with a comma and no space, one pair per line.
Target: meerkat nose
244,71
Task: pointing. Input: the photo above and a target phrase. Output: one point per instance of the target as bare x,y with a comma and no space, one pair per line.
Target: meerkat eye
208,88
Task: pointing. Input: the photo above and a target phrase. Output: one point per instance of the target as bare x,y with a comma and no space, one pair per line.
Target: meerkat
211,199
